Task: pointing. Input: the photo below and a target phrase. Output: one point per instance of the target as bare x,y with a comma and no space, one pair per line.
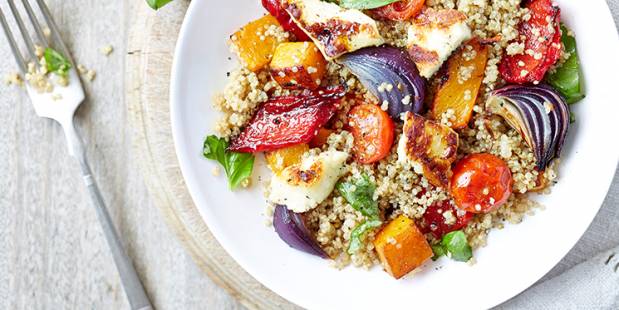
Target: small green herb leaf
365,4
456,245
56,62
359,232
567,79
157,4
238,166
359,194
438,250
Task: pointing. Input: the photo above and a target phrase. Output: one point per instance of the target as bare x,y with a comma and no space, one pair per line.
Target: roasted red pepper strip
434,220
542,45
274,7
288,120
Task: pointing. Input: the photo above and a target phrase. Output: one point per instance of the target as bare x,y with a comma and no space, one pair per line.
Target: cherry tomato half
481,183
401,10
373,131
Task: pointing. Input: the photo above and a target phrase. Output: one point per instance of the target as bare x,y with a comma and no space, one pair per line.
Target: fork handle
138,300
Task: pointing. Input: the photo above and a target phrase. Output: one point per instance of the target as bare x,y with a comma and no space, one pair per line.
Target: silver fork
62,110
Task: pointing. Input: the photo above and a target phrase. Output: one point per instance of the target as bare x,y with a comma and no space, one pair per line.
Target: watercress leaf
238,166
567,78
359,232
56,62
359,194
365,4
457,246
438,250
157,4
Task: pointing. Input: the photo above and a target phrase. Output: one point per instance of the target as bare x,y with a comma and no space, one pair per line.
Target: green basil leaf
157,4
439,251
358,233
567,79
365,4
456,245
238,166
56,62
359,194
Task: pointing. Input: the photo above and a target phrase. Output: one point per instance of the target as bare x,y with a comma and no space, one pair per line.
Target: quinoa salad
397,132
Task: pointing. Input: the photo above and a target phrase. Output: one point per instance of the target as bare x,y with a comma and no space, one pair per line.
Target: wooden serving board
150,47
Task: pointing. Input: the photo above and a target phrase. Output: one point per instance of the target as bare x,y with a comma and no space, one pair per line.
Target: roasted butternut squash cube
281,159
459,87
255,42
298,65
401,247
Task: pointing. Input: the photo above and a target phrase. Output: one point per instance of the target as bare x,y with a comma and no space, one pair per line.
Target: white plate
515,257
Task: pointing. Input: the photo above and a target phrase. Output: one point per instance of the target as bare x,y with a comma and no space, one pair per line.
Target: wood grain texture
52,252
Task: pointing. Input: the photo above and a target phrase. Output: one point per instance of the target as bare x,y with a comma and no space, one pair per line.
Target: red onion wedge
539,113
390,75
291,228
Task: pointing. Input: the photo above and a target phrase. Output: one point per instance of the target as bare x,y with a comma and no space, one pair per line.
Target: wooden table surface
52,251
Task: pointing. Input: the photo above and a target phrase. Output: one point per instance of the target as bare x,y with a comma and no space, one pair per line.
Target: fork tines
40,38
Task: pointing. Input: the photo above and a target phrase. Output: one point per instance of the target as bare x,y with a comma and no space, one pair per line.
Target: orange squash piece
298,65
253,45
459,88
280,159
401,247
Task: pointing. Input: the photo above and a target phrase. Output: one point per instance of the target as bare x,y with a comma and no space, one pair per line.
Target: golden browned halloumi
433,36
303,186
334,29
429,147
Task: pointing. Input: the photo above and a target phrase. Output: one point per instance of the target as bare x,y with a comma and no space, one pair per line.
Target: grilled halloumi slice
334,29
303,186
429,147
433,36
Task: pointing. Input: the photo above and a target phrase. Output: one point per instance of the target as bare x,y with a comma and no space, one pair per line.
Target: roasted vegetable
539,113
401,247
280,159
443,217
481,183
429,147
298,65
568,79
373,131
291,228
288,120
321,138
542,44
253,45
400,10
459,87
275,8
390,75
